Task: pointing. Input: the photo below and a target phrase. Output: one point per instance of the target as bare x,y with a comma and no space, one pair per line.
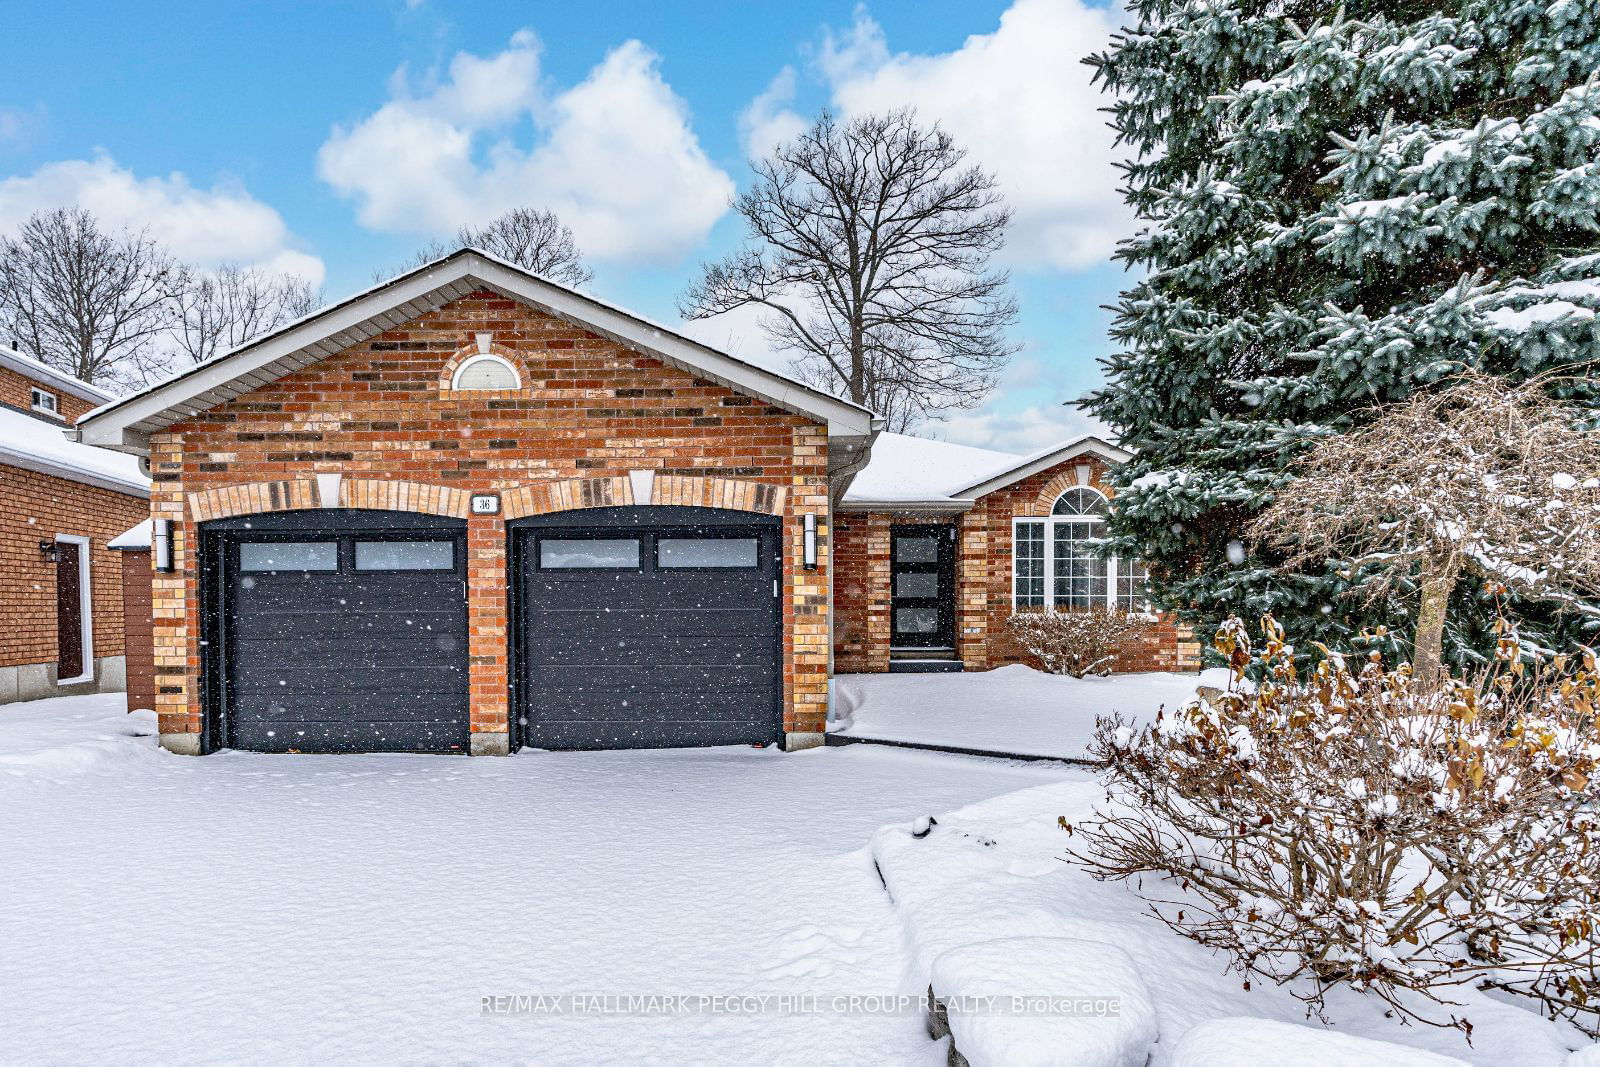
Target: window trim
54,408
1050,521
481,357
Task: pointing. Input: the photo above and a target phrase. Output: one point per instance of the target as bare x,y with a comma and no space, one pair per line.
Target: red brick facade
17,391
381,415
861,595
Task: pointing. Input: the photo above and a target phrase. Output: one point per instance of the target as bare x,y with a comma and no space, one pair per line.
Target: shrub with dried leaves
1077,642
1347,827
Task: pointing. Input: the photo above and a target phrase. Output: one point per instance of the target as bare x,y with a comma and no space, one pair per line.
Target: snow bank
1026,1001
1011,710
1244,1042
68,736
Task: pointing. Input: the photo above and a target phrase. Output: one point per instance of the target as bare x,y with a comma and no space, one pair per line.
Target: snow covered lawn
1014,710
995,870
248,908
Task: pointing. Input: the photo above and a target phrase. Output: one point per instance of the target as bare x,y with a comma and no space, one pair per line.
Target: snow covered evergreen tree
1342,203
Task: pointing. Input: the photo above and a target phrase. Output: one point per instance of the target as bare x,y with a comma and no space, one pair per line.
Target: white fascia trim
11,457
107,425
85,607
935,507
1031,465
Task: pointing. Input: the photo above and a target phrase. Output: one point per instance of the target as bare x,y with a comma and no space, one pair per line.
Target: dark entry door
922,572
345,640
649,627
69,609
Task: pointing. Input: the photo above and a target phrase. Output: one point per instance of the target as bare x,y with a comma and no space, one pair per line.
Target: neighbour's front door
922,572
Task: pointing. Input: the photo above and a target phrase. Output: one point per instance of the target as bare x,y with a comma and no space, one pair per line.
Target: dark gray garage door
649,627
347,640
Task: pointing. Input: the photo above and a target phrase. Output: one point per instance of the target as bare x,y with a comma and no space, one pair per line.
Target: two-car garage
341,630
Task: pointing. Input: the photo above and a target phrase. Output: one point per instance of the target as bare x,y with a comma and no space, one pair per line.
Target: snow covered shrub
1347,827
1077,642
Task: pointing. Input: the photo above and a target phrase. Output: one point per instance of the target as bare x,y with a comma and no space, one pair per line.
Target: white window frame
1050,522
85,606
53,408
481,357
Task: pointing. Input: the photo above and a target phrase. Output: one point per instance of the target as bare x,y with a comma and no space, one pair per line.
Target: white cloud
200,226
17,126
613,156
1021,431
1020,101
768,121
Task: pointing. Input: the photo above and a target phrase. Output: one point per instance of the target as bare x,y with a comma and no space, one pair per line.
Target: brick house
470,510
935,545
60,585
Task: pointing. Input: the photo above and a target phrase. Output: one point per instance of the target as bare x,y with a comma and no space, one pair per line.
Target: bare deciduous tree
91,304
870,247
532,238
219,310
1479,476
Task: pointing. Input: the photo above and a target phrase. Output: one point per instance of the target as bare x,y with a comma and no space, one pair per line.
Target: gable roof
49,377
127,424
917,474
39,445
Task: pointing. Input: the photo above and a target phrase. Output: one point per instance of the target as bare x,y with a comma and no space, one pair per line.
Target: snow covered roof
910,473
135,538
47,375
126,425
37,445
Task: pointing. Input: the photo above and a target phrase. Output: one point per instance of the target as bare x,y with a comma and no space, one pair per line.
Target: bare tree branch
870,247
1481,476
91,304
532,238
220,310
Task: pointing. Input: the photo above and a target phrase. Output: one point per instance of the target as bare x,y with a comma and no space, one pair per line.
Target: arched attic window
1055,563
485,371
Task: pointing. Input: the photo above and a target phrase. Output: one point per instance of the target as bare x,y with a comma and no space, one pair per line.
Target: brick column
972,586
807,605
487,654
175,606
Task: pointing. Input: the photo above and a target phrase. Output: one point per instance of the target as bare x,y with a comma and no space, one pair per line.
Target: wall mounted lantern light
51,553
809,552
161,545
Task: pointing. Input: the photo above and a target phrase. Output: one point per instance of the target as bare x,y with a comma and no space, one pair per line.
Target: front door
69,610
922,572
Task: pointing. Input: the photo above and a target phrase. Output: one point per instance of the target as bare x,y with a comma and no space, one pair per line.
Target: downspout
859,454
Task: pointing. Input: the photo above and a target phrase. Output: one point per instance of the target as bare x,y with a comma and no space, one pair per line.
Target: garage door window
720,552
589,553
289,556
405,555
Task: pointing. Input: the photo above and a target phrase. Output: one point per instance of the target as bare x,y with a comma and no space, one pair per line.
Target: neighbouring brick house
472,510
936,545
60,585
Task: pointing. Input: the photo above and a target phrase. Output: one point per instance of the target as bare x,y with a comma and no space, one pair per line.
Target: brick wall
37,507
983,582
15,389
140,651
588,413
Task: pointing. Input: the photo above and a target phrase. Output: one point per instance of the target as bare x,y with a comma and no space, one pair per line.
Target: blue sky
331,139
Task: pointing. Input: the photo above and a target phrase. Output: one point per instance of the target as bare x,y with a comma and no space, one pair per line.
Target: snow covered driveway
270,908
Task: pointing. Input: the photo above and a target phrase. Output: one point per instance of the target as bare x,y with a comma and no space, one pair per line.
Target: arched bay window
1054,563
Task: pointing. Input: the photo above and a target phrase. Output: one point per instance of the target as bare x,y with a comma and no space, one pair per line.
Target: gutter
13,458
946,506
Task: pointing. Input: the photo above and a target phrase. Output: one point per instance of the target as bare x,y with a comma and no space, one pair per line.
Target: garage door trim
646,518
216,540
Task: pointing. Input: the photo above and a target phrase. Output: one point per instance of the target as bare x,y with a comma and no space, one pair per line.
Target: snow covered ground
1014,710
256,908
995,870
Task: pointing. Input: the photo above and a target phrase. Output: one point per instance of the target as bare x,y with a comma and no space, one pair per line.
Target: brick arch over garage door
536,498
